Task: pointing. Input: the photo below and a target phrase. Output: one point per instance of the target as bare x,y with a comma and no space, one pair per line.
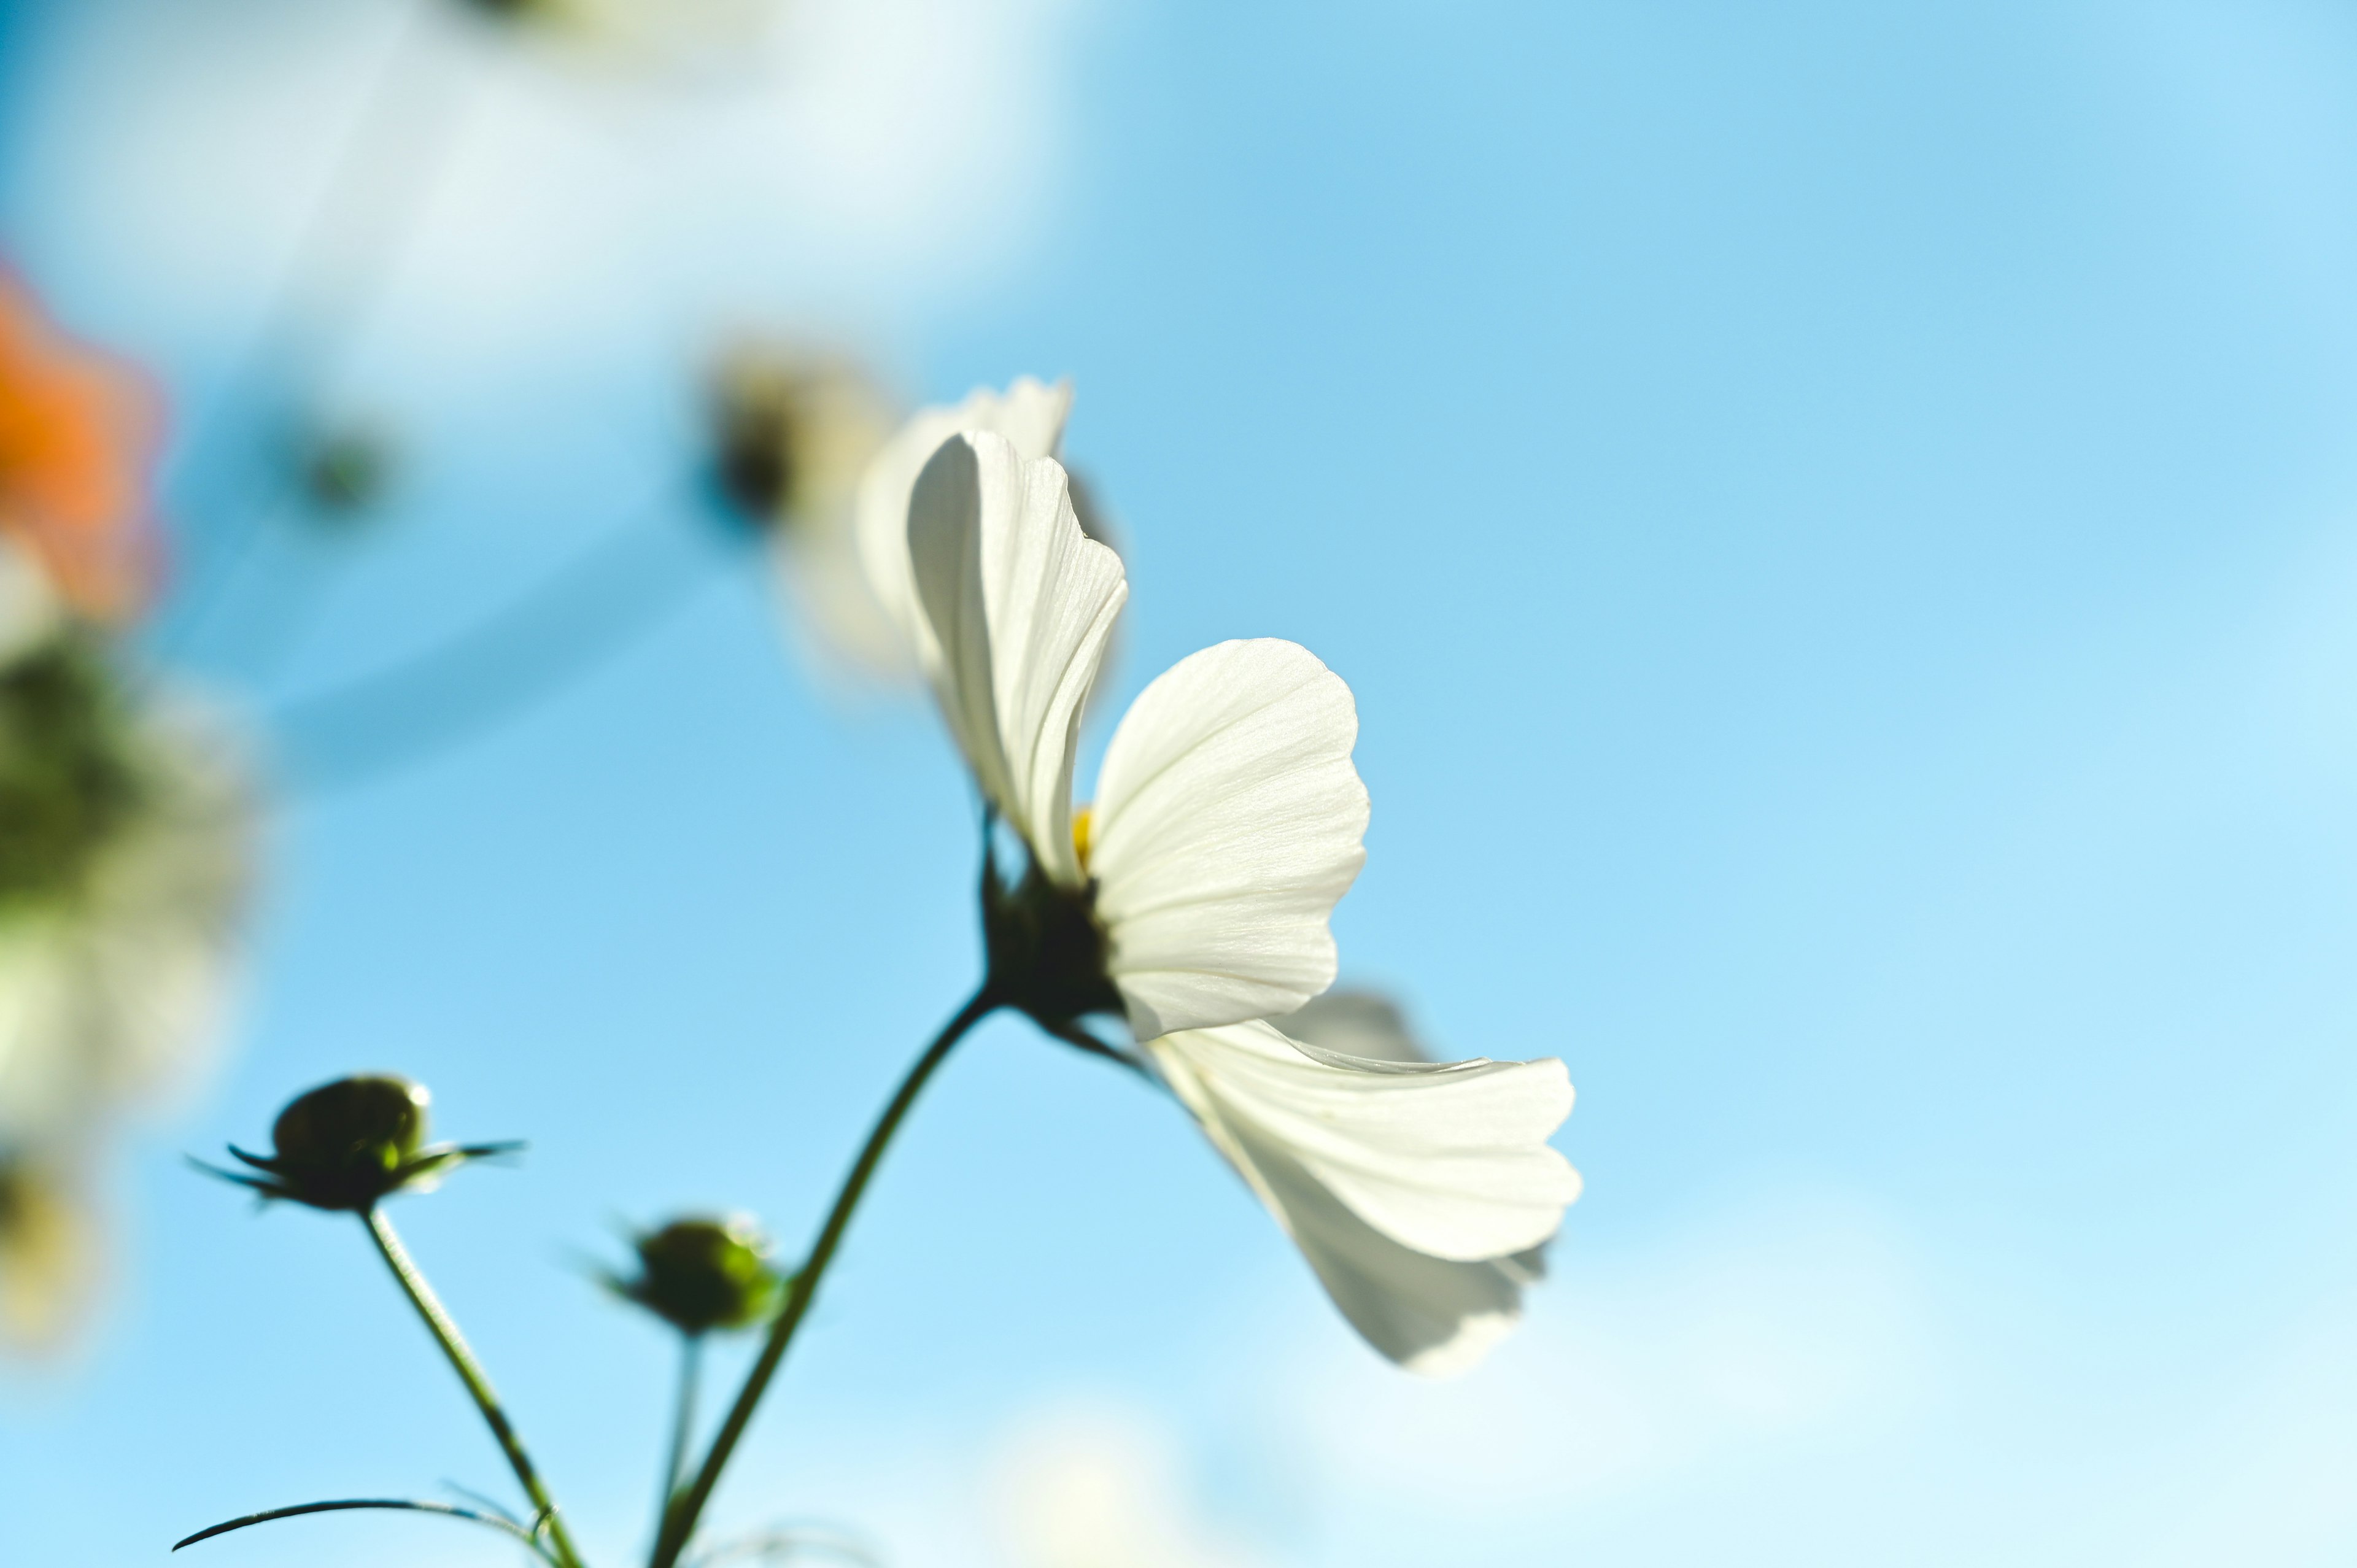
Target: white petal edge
1367,1023
1434,1315
1030,413
1450,1159
1020,604
1356,1021
1228,821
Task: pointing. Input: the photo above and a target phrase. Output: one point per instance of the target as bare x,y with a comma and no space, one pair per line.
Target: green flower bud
702,1274
349,1145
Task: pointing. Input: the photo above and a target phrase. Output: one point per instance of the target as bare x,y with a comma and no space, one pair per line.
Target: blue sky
1841,524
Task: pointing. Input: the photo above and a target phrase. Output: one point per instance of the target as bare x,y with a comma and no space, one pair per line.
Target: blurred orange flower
79,431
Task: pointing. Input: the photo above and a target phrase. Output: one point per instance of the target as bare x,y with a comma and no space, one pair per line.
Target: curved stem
470,1373
679,1523
682,1426
398,1505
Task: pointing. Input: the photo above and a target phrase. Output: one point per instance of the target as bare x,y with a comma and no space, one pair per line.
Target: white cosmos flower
1195,897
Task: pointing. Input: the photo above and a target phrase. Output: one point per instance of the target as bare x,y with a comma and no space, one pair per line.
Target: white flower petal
1414,1194
1227,822
1450,1159
1432,1317
1019,603
1028,413
1354,1022
1366,1024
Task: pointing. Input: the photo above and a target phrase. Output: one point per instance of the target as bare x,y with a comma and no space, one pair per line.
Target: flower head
1228,816
349,1145
1194,896
699,1274
78,439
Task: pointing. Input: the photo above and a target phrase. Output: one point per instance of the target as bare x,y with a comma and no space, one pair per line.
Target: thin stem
399,1505
470,1373
679,1524
683,1426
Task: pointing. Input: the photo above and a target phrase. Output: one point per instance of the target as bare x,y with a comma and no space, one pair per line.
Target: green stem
470,1373
688,1507
682,1426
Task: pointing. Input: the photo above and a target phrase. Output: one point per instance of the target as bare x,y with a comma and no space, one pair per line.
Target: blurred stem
470,1373
680,1522
584,613
691,1372
380,174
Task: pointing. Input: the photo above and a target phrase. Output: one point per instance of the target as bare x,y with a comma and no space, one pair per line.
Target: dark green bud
349,1145
702,1274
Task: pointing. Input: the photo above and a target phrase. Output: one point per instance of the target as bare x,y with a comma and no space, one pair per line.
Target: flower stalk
683,1424
687,1507
470,1373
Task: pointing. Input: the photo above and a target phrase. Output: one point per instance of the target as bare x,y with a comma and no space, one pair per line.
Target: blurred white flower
49,1247
126,837
794,433
693,34
1195,897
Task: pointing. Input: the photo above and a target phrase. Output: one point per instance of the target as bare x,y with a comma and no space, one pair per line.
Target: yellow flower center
1083,818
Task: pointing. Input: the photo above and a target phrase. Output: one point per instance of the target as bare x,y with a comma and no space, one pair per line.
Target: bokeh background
1842,522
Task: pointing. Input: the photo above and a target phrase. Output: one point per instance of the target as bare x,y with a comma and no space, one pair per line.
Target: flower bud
351,1143
702,1274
